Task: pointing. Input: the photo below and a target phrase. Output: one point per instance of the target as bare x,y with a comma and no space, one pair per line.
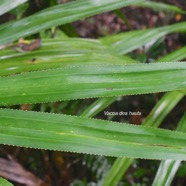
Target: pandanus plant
66,68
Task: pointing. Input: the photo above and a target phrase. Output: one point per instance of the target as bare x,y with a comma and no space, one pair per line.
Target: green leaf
168,168
166,172
122,17
84,135
7,5
116,172
154,119
56,53
69,30
174,56
161,6
58,15
98,106
80,82
128,41
4,182
182,124
162,108
166,104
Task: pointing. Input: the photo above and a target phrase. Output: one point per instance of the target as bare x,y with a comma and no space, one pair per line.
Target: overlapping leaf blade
56,53
107,89
157,115
154,119
128,41
58,15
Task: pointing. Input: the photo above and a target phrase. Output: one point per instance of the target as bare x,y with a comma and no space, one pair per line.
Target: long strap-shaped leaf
56,53
124,42
161,6
58,15
91,81
7,5
168,168
84,135
154,119
177,55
